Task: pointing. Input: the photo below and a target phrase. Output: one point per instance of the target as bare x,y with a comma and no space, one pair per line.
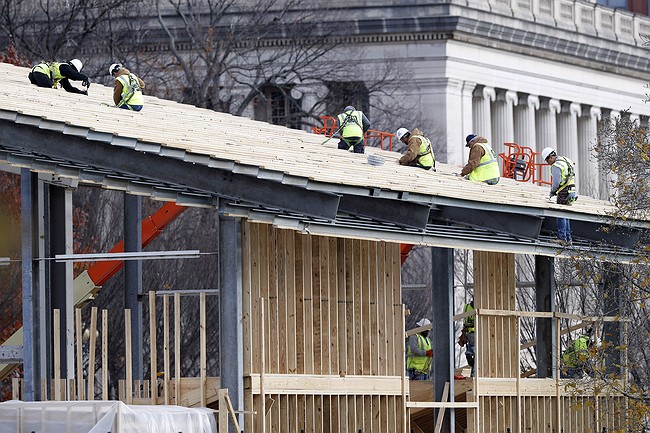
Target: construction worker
482,165
575,357
351,125
467,336
127,92
563,185
419,152
419,353
50,74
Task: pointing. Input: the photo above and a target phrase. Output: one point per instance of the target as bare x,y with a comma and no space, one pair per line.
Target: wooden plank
373,313
79,342
222,415
127,353
231,411
177,348
291,329
203,348
300,303
92,352
382,329
281,384
281,269
398,311
349,307
105,354
359,338
316,303
247,329
15,388
308,316
166,350
441,412
333,279
153,354
262,336
324,285
272,296
366,331
342,302
56,331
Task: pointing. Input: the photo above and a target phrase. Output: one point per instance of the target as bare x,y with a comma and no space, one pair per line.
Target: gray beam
614,235
442,331
30,298
231,347
399,212
525,226
545,328
11,354
133,278
216,181
612,293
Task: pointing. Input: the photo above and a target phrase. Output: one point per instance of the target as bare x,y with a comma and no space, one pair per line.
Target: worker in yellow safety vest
482,165
419,353
351,126
419,152
467,336
127,92
576,356
51,74
564,186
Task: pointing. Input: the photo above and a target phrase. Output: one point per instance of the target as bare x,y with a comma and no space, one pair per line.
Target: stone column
567,132
481,111
503,119
446,102
546,131
605,178
525,131
587,162
467,116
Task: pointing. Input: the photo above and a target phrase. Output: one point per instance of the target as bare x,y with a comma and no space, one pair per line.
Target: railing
384,139
520,164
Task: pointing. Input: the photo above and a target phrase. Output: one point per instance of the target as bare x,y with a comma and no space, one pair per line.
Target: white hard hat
114,68
546,152
423,322
401,133
77,64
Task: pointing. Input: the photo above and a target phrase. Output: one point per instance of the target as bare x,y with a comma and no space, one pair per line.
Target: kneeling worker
419,152
127,93
50,74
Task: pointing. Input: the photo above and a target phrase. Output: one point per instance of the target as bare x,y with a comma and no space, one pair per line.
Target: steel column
30,298
133,278
545,328
442,331
612,307
231,349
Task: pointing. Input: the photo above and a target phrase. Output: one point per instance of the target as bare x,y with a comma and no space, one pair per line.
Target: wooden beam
91,353
440,405
57,353
311,384
177,348
104,354
153,354
441,412
203,343
127,348
80,371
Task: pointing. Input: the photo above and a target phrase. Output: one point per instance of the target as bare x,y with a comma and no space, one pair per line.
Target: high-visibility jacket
131,91
469,320
419,363
575,355
51,70
567,172
352,122
43,68
488,167
425,156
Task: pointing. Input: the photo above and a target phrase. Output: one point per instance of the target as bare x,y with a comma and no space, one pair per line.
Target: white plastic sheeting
102,417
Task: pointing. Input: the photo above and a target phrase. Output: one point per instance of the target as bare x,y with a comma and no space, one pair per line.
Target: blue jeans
356,142
564,229
417,375
131,107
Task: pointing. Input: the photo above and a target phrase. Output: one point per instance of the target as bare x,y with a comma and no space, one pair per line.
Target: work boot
561,242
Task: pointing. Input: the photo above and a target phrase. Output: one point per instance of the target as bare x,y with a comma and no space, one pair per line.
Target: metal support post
133,278
231,347
545,334
442,332
612,307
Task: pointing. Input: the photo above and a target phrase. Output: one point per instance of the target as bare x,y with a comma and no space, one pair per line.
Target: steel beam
625,237
400,212
525,226
612,294
11,354
133,278
231,343
153,166
545,328
442,331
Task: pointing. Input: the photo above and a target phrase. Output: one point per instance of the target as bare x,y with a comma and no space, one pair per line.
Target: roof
194,156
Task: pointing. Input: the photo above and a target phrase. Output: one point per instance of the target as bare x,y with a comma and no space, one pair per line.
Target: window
277,106
342,94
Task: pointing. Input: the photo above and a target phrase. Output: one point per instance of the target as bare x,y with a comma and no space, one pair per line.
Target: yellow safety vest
419,363
56,74
469,320
567,172
354,126
576,354
131,91
42,68
425,156
488,167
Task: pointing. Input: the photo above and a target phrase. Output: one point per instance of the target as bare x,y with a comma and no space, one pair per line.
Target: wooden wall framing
325,313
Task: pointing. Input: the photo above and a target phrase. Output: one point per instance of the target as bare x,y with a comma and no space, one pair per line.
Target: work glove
86,82
430,353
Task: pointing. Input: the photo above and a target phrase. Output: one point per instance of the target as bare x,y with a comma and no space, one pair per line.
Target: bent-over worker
419,152
482,165
352,124
50,74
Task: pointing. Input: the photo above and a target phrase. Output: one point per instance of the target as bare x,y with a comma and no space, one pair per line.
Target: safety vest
43,68
425,156
469,320
352,122
131,91
419,363
575,355
567,172
55,74
488,167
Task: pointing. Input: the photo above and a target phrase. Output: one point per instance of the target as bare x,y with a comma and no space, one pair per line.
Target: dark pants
41,80
355,142
131,107
469,351
565,197
417,375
